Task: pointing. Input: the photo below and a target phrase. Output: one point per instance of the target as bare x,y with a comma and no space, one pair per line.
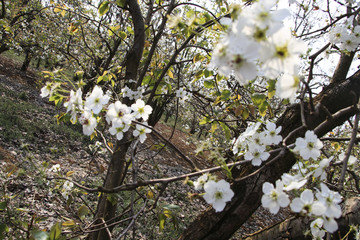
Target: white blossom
217,194
141,110
271,134
316,228
199,183
96,100
256,154
274,198
118,111
308,147
89,122
306,204
141,132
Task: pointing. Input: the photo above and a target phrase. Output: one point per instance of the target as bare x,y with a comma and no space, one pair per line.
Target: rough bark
248,191
106,210
293,228
343,66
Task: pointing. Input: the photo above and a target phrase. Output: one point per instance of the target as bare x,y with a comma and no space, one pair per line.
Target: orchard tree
267,80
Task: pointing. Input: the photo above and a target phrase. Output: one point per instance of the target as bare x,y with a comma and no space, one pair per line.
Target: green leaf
198,57
271,88
225,95
207,73
2,206
245,114
258,99
55,231
209,84
82,212
121,3
162,219
104,8
226,130
199,74
263,107
3,228
123,35
203,121
39,235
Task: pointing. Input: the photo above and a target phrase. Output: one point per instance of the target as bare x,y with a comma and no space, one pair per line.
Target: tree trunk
248,191
26,61
106,210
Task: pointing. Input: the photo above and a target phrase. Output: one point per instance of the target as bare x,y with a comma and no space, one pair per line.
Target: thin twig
132,221
348,151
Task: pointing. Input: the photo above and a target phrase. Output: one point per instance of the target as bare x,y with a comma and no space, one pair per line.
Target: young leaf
209,84
55,231
82,212
104,8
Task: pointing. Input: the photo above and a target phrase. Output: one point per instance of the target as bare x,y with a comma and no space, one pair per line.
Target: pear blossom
118,128
287,85
118,111
282,53
217,194
349,42
316,228
89,122
199,183
236,56
74,104
96,100
308,147
265,16
293,181
127,93
48,89
141,132
320,169
306,204
271,134
256,154
68,185
330,224
336,34
141,110
55,168
331,201
274,198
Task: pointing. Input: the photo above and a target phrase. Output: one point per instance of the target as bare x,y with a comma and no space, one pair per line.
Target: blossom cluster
323,206
66,189
217,193
182,94
345,37
133,95
118,115
254,143
258,44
